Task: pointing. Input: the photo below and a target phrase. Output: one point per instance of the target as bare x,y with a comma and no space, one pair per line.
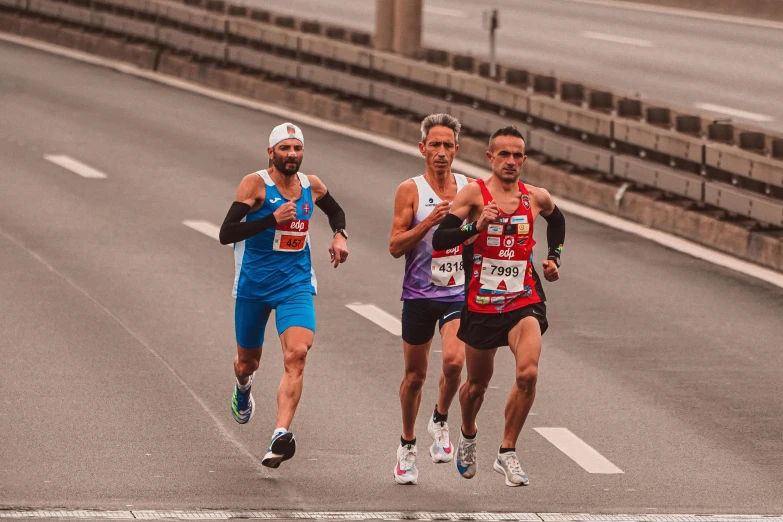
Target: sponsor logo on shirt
493,241
495,230
508,241
476,258
518,219
523,229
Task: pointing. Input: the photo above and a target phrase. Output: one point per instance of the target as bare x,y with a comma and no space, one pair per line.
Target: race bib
291,237
503,276
447,267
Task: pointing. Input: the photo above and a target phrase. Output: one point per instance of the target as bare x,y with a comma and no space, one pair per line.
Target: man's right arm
403,238
233,229
450,233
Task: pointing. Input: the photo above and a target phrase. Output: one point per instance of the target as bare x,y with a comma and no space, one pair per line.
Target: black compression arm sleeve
555,232
234,231
449,234
333,211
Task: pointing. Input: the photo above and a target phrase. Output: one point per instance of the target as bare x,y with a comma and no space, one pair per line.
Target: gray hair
440,120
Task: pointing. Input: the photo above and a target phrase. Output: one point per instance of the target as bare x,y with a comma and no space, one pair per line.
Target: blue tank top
275,264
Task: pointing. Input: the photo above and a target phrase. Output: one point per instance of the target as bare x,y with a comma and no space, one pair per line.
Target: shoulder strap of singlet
484,191
265,176
304,180
461,180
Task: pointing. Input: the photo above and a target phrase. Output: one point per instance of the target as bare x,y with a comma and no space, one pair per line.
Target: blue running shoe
242,404
282,448
466,456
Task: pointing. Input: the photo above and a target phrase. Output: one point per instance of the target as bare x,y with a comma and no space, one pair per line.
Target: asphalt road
680,60
116,336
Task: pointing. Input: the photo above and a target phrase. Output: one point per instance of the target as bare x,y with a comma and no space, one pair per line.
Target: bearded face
287,156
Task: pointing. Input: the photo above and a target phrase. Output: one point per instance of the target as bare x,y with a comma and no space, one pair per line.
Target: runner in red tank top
505,299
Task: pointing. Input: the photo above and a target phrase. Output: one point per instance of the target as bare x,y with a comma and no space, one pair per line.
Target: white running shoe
405,471
442,450
508,465
466,456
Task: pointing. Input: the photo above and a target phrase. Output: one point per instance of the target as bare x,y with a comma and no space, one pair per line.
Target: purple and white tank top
432,274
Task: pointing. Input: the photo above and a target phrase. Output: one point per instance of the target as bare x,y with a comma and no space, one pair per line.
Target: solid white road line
663,238
737,113
205,227
617,39
383,319
687,13
443,11
578,450
75,166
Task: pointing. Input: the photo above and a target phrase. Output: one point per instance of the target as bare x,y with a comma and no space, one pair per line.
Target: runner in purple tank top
433,290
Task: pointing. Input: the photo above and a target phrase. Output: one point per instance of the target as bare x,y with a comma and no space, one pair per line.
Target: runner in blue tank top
269,225
432,290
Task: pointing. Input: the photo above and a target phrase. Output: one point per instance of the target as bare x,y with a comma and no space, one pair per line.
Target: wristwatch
556,259
341,231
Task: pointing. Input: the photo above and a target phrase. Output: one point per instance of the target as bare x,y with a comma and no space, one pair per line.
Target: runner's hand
339,250
438,213
286,213
551,272
488,215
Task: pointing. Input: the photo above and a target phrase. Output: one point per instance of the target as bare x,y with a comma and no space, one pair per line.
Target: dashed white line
737,113
75,166
613,38
578,450
445,12
205,227
383,319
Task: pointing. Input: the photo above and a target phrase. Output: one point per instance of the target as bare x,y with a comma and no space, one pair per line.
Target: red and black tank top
502,277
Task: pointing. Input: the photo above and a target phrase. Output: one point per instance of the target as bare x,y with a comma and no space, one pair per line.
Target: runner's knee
476,388
295,357
452,365
414,378
246,365
527,378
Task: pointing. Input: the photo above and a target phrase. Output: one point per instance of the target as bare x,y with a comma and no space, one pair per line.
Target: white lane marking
617,39
75,166
668,240
443,11
383,319
578,450
737,113
205,227
687,13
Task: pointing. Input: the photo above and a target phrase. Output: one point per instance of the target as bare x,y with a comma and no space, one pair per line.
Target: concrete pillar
407,27
384,25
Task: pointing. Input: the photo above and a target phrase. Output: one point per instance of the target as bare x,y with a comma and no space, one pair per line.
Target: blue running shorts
250,317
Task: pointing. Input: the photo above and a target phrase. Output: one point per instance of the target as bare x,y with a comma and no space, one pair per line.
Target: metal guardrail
681,154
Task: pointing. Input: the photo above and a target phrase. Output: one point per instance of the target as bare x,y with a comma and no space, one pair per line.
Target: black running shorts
419,317
488,331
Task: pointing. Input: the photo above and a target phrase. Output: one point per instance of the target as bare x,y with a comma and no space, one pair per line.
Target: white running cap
285,131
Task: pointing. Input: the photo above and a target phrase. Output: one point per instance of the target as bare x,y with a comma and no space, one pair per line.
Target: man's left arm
555,233
326,202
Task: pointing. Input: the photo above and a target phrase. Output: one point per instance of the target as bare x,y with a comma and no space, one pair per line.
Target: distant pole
407,27
384,25
490,19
